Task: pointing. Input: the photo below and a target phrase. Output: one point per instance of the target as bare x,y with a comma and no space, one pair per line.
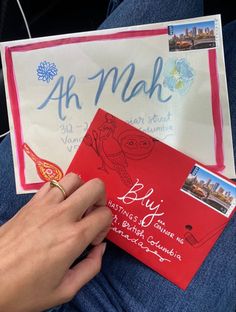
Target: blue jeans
125,284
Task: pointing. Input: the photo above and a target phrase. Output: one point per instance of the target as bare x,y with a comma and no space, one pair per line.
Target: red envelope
168,210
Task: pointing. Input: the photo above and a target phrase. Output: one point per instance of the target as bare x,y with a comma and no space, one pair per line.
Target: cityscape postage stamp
211,190
193,36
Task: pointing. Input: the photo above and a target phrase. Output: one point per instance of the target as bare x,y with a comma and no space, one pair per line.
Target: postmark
210,189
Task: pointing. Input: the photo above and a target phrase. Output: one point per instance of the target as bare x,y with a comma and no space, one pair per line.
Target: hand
39,244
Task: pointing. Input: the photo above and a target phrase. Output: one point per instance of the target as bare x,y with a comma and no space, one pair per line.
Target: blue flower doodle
46,71
178,75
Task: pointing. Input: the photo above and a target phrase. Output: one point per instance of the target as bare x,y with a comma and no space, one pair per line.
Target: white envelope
166,79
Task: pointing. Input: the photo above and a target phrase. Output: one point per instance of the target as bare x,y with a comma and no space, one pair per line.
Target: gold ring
54,183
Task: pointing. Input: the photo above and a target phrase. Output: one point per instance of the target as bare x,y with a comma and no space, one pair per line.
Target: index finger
91,193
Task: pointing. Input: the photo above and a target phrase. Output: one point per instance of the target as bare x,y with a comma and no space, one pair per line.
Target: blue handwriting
57,94
62,94
126,77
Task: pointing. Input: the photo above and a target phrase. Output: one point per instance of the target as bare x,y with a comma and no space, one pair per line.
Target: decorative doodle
46,170
178,75
136,145
46,71
114,152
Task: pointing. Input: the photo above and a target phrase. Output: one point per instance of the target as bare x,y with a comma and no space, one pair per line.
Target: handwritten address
131,227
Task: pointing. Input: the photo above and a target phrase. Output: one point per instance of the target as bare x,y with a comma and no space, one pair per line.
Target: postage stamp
210,189
194,36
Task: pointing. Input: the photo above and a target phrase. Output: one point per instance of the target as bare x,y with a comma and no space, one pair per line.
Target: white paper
54,86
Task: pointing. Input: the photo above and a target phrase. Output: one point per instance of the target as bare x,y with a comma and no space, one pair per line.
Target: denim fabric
135,12
10,203
125,284
229,36
113,4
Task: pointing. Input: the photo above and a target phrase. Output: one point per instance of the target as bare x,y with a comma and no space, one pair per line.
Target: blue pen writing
124,79
57,94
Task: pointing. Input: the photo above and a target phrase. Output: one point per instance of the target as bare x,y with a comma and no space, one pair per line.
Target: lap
124,283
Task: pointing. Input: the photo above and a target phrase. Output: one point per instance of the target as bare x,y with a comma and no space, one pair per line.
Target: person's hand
40,243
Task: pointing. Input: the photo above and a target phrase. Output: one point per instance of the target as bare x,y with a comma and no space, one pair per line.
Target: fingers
80,196
70,183
88,201
82,273
91,229
41,193
91,193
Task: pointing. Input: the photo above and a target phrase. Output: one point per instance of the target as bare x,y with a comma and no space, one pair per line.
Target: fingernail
104,248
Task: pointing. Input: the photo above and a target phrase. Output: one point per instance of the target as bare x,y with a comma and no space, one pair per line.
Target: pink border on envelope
13,94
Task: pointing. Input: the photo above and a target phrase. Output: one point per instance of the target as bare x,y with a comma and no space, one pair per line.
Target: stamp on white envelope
193,36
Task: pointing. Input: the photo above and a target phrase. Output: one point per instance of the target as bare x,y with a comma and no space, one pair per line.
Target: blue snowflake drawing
178,75
46,71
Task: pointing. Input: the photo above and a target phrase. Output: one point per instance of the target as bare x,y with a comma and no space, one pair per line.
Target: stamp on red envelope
210,189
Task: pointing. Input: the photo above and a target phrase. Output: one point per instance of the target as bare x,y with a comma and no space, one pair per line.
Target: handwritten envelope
168,210
166,79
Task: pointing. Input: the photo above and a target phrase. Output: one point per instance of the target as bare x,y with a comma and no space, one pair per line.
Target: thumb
81,273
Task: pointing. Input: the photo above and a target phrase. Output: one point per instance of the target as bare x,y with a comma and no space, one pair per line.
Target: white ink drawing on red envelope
46,170
114,152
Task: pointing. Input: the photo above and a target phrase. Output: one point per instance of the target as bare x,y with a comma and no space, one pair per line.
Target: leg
135,12
229,36
125,284
10,203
